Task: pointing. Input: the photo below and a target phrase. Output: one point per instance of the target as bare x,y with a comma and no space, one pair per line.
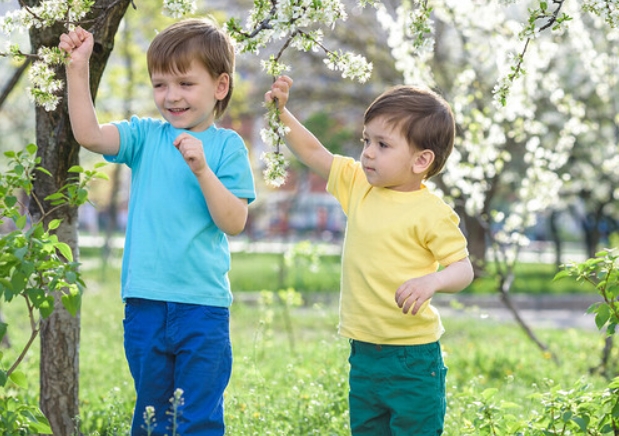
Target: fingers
192,151
185,142
73,39
279,90
409,300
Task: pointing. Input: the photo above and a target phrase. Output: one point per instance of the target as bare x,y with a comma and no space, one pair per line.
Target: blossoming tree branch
296,24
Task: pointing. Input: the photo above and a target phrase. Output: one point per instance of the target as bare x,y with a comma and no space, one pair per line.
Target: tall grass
291,379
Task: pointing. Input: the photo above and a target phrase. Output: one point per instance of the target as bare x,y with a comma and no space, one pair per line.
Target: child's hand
192,151
78,44
414,292
280,90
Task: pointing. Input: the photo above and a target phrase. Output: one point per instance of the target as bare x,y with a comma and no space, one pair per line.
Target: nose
172,93
368,151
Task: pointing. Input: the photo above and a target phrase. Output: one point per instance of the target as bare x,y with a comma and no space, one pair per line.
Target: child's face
187,100
387,159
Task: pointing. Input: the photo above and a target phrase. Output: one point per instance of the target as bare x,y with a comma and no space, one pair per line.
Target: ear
223,86
422,161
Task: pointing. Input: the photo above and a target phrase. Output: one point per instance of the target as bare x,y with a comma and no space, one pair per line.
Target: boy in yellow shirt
398,233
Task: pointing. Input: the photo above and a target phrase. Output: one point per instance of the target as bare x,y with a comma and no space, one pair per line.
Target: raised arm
87,131
305,146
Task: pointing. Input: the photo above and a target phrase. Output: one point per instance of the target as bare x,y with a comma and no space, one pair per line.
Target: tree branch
6,91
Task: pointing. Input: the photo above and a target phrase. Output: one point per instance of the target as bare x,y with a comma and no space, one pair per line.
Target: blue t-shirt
173,249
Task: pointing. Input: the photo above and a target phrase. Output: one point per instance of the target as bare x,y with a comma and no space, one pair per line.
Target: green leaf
47,307
10,201
44,171
41,426
3,329
19,378
582,423
561,275
54,224
20,253
18,281
489,393
76,169
64,250
3,378
72,302
21,222
101,175
31,148
602,316
54,196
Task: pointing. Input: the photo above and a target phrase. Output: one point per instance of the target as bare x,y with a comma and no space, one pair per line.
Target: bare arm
305,146
228,211
87,131
451,279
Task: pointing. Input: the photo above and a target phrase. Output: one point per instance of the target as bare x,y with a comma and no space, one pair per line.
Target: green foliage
21,419
602,273
36,266
330,133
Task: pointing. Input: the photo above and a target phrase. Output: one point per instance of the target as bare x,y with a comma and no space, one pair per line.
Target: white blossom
179,8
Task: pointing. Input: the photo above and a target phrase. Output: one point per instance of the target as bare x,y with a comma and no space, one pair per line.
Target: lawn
258,271
290,367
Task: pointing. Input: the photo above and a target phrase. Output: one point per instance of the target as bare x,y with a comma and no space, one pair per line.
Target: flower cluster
289,20
44,85
273,136
352,66
178,8
607,9
275,171
411,41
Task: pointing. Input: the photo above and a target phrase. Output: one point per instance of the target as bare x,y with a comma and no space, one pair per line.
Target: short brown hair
424,118
173,50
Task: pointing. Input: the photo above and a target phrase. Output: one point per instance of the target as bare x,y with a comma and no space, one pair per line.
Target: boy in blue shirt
191,185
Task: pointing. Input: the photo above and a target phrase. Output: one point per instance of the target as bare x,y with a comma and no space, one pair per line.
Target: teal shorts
396,390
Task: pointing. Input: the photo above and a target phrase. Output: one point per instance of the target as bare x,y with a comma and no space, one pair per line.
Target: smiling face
387,159
187,100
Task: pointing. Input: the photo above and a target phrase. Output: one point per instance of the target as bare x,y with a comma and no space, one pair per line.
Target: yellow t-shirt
391,237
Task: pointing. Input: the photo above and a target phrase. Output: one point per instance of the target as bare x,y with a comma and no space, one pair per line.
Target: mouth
178,111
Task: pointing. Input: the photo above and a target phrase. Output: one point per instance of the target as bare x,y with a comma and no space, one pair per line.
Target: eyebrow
380,137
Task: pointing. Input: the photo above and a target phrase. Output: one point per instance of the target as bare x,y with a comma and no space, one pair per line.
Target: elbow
236,226
469,274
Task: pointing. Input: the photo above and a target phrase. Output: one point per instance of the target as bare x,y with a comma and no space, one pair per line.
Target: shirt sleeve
234,169
444,237
341,180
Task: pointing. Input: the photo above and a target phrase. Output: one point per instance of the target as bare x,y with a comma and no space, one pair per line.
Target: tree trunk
477,244
60,332
556,239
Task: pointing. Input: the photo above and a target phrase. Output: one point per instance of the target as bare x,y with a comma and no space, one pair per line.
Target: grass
260,271
291,379
255,272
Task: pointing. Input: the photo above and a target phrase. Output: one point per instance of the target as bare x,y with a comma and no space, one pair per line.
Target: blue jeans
173,346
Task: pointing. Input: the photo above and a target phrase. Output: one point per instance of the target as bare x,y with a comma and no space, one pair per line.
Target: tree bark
556,239
60,332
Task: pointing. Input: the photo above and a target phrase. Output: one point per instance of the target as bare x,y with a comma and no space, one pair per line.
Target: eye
365,141
186,84
383,145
